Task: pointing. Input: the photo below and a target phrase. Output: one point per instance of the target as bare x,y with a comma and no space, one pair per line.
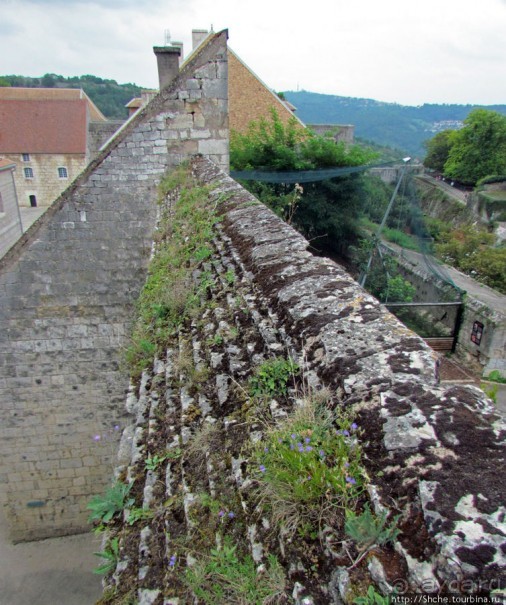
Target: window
26,157
28,173
62,173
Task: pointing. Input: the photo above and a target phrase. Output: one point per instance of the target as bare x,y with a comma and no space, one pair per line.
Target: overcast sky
435,51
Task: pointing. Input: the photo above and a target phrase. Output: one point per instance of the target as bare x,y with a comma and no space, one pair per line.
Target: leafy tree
48,81
471,250
328,210
438,150
383,279
479,149
4,81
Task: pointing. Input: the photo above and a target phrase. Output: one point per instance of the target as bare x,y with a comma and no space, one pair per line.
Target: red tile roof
13,93
39,126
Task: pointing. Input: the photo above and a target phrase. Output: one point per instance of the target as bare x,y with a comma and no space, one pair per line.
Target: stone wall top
432,454
431,449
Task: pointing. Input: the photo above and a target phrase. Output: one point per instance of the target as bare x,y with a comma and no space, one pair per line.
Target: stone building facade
46,134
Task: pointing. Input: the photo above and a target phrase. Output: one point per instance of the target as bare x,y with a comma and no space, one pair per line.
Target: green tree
48,81
328,210
471,250
438,150
479,149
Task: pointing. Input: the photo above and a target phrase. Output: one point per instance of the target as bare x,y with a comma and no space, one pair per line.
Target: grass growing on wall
170,294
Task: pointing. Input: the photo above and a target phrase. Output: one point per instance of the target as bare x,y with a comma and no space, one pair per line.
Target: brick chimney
198,36
167,58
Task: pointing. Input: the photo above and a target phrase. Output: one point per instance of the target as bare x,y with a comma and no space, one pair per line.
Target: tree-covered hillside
109,96
401,126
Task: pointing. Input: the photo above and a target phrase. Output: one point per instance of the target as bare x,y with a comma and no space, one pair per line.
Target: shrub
309,468
495,376
366,529
271,378
225,577
372,598
111,555
114,501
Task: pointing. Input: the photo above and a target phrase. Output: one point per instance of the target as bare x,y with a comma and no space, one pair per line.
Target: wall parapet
433,454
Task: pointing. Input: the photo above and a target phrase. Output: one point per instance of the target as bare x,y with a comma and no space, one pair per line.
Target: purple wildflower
293,436
354,426
292,446
116,427
322,453
221,513
172,561
300,448
346,464
266,450
308,448
96,438
351,480
346,433
307,440
280,440
231,515
262,468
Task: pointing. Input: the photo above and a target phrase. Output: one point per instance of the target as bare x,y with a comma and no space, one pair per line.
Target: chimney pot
198,36
179,45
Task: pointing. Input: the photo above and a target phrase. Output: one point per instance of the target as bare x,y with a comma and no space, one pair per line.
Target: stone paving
57,571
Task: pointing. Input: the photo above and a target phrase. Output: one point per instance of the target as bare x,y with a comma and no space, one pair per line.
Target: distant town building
45,132
341,133
445,125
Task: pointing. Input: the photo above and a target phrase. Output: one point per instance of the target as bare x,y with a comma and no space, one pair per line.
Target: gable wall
249,98
66,295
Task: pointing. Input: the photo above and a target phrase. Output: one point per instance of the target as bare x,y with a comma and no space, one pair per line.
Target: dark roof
41,126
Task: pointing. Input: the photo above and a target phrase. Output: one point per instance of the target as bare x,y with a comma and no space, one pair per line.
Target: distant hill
109,96
402,126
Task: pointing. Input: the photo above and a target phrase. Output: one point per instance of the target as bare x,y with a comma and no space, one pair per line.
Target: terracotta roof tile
39,126
14,93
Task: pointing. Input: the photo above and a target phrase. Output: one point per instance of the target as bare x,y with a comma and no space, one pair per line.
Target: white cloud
451,51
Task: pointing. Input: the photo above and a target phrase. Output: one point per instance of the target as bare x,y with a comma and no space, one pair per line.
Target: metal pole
17,200
380,228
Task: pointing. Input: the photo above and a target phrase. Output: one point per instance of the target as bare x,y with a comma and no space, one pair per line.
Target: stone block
213,147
